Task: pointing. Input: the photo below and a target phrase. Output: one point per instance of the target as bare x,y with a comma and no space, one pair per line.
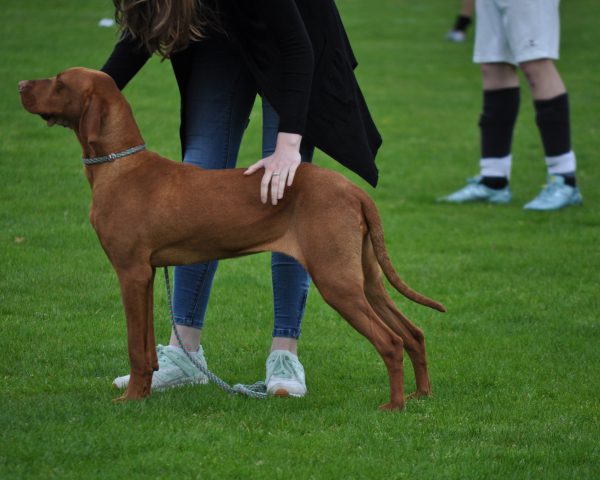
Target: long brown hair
166,26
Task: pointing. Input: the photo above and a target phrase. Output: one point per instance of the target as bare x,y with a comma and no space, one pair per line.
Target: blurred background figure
463,20
523,34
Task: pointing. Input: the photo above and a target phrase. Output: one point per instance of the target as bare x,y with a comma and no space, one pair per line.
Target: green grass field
514,363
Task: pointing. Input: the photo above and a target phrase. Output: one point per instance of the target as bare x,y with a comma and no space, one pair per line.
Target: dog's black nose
24,85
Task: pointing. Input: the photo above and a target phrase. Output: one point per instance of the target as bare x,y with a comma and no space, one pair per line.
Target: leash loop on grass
256,390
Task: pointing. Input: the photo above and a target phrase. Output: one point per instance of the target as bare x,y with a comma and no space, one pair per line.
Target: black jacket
301,59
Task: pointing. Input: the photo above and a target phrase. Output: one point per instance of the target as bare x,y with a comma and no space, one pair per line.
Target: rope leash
256,390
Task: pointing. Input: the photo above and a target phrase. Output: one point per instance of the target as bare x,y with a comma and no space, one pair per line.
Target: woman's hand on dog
280,167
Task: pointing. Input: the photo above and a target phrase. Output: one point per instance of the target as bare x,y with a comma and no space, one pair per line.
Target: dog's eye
59,85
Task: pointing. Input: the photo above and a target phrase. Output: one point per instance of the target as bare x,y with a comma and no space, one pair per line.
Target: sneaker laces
282,364
550,189
170,358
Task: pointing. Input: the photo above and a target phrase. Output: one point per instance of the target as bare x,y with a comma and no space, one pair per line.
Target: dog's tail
376,233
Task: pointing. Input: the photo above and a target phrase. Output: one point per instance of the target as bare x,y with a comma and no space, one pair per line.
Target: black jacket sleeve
283,20
272,37
127,58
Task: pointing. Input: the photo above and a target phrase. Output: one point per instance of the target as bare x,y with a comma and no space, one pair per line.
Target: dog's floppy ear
90,121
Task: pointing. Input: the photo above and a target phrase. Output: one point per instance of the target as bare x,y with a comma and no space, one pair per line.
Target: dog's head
78,98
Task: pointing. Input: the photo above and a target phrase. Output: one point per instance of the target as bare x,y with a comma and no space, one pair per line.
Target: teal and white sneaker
174,369
456,36
556,194
285,375
476,192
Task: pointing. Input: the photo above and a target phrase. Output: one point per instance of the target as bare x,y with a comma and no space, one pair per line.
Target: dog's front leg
136,287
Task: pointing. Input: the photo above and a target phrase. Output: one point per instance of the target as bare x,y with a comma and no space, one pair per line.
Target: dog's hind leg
412,336
136,284
343,291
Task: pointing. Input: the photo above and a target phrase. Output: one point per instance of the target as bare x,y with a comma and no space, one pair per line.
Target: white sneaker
456,36
285,375
174,369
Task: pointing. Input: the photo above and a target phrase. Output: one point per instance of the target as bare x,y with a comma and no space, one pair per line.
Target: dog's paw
391,406
131,397
418,395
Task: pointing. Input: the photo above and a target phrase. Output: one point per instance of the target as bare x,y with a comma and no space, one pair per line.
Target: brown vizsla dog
144,220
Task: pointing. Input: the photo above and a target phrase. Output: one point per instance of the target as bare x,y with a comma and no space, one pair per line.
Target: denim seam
229,129
287,332
188,319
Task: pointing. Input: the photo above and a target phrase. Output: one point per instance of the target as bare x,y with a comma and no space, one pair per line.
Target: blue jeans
220,96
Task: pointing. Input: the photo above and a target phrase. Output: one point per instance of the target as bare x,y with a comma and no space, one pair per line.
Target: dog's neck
117,132
119,136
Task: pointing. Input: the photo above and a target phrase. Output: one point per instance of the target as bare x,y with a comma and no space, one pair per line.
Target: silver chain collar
111,157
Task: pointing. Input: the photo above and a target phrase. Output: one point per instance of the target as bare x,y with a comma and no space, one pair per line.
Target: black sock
496,183
462,23
497,121
496,124
569,178
552,118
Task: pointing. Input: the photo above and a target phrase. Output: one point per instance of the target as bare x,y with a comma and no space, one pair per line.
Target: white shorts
516,31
